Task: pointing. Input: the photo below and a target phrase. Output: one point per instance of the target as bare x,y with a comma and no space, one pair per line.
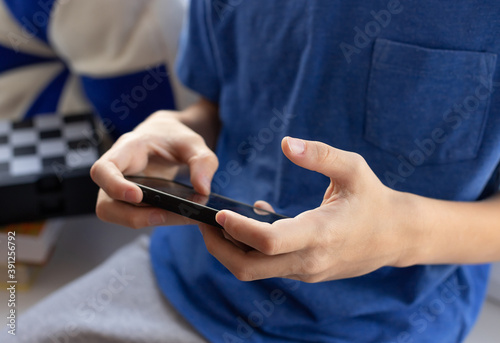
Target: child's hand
353,232
157,147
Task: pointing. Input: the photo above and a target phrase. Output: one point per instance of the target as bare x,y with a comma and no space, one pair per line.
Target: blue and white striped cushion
71,56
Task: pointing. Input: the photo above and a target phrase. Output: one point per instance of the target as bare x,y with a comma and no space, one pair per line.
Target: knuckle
135,222
208,156
311,265
129,140
94,170
271,244
358,163
324,154
243,274
159,113
126,137
102,204
100,211
112,191
194,137
205,156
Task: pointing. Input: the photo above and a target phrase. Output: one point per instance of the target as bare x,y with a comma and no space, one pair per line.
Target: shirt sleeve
196,63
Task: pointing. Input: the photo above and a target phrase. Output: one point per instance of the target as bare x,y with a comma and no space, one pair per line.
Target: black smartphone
182,199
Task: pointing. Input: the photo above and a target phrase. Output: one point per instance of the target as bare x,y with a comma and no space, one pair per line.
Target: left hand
355,230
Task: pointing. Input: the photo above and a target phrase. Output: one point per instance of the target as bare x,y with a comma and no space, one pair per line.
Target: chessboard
44,167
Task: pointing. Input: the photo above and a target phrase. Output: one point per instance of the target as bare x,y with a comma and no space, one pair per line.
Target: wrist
409,229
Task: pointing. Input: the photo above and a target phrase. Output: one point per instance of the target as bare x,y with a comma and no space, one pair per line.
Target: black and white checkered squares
47,144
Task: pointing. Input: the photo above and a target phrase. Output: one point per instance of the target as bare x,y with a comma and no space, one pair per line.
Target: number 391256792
11,254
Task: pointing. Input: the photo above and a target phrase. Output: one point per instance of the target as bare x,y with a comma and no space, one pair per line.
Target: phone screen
213,201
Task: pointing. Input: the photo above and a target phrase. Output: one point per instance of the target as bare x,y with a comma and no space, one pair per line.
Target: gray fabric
116,302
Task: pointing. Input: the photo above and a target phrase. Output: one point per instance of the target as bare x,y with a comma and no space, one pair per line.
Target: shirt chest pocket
428,105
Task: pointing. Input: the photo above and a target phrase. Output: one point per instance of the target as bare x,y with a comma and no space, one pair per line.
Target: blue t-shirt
412,87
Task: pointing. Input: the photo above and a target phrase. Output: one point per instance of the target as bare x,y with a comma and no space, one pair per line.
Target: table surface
85,242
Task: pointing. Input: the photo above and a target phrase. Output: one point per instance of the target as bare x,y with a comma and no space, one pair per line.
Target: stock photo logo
34,23
422,318
139,93
261,311
428,146
87,312
363,38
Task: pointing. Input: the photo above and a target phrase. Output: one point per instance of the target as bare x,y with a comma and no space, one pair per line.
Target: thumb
337,164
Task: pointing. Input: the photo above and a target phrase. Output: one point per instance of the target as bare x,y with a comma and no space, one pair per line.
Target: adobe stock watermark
251,146
265,309
30,28
139,93
421,319
372,29
86,312
453,118
262,310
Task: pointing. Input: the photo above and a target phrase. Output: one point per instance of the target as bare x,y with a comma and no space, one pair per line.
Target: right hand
157,147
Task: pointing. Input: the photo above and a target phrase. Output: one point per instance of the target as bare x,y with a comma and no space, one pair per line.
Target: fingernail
297,146
130,196
156,219
221,218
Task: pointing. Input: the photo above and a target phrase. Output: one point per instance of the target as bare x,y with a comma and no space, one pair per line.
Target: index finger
247,265
283,236
109,177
